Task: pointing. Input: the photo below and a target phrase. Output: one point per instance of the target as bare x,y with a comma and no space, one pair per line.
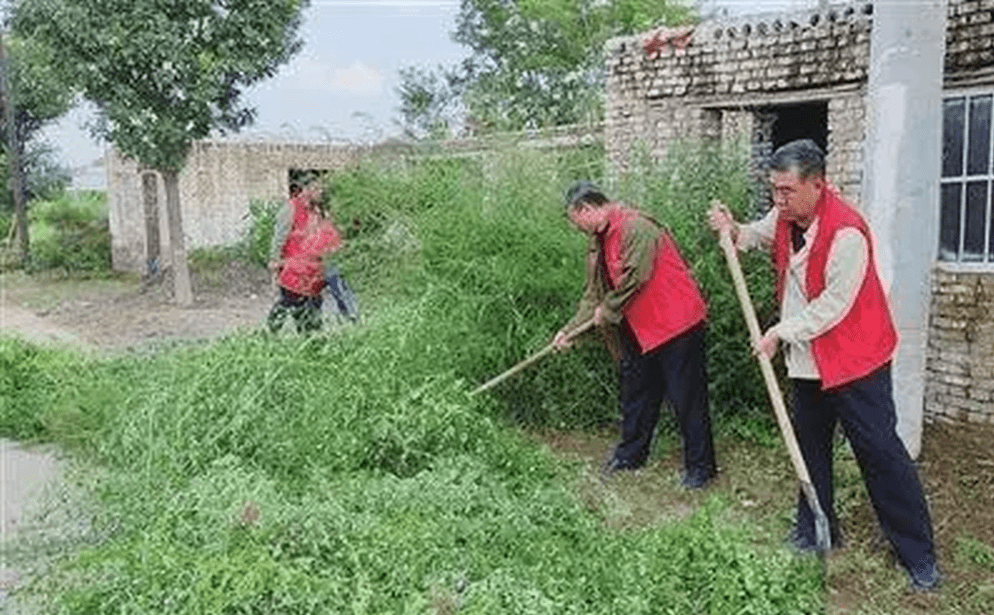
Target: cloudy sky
341,86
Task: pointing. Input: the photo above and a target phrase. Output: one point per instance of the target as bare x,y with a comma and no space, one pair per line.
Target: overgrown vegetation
352,472
71,234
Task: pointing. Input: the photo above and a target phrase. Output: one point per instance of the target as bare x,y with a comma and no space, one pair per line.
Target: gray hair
802,156
584,193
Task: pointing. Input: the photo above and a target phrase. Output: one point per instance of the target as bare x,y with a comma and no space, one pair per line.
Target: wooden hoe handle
525,363
773,388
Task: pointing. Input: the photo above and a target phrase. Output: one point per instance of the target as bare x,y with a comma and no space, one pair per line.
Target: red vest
866,338
669,302
310,238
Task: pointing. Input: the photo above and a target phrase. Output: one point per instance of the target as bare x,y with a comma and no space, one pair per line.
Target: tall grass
71,234
351,471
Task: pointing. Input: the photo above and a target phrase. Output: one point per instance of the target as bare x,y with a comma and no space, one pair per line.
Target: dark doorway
800,121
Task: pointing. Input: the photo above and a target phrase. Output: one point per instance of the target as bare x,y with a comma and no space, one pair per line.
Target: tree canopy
40,95
532,63
163,74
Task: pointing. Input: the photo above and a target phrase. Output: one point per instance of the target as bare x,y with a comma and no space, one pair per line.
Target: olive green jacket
639,255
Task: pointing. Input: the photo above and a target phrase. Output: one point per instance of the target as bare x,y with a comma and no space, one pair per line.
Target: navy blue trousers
676,371
865,408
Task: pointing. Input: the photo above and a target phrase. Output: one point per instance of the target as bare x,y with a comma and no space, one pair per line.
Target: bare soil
124,311
956,464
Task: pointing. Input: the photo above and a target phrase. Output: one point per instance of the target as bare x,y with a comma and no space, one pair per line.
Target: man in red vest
839,339
639,287
301,240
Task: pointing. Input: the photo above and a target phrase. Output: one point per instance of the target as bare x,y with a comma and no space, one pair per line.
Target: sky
342,84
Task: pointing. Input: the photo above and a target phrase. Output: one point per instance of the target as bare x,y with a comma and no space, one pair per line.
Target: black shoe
612,466
697,479
801,542
925,578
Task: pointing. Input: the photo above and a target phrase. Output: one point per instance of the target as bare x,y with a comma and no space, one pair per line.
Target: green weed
71,234
973,553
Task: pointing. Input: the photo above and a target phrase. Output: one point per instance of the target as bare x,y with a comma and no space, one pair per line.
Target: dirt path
124,312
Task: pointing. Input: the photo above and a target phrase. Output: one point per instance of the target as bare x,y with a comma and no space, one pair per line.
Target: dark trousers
866,410
676,371
306,311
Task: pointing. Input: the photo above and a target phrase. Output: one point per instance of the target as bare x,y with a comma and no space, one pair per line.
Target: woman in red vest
302,239
639,287
839,338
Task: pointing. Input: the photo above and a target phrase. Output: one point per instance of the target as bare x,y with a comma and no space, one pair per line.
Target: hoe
822,533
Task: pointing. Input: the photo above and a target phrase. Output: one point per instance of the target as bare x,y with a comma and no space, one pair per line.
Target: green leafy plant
261,224
72,234
974,553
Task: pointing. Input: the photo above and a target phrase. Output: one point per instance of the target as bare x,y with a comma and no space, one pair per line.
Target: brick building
776,77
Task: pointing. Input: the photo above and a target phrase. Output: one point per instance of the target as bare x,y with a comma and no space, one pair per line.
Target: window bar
990,188
964,173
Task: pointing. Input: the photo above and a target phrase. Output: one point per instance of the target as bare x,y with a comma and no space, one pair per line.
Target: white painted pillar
901,184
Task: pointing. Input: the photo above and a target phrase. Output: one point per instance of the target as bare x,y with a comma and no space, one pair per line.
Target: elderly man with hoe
839,340
301,240
640,288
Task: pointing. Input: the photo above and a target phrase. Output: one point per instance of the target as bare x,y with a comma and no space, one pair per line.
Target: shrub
72,234
259,235
678,191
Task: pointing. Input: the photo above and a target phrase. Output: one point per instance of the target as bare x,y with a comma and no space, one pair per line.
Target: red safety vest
866,337
669,302
310,238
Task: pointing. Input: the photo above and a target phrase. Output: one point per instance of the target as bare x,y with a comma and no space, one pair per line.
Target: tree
163,73
430,104
32,94
532,63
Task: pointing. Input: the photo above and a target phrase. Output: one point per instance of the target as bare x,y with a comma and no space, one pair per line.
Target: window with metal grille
966,225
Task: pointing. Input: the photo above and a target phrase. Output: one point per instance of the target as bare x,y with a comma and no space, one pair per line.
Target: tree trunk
177,244
14,152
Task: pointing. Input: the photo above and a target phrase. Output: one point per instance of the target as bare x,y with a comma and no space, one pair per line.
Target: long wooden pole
525,363
822,532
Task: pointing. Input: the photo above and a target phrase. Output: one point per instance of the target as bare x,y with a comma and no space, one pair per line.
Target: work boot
924,578
697,479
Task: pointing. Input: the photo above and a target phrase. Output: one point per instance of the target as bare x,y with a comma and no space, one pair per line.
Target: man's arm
848,259
845,271
593,289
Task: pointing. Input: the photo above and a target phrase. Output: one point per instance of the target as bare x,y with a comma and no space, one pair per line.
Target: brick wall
740,67
959,383
969,39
